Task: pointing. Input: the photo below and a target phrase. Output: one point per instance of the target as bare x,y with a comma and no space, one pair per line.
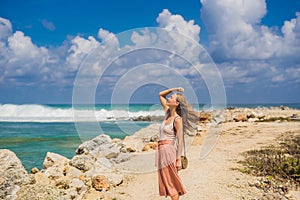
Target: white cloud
291,37
79,49
245,72
247,51
176,22
252,53
109,41
22,49
258,74
5,32
287,75
22,62
23,57
143,38
165,41
59,66
108,37
178,37
48,25
236,32
5,29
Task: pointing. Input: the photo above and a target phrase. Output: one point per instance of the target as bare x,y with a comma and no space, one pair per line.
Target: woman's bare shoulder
178,119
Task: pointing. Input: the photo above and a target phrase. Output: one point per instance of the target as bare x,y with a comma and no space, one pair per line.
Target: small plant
281,163
274,119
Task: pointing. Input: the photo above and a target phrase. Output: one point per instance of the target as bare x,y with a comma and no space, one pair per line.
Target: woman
179,118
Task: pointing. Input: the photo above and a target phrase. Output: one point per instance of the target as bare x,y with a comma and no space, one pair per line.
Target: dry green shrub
274,119
281,162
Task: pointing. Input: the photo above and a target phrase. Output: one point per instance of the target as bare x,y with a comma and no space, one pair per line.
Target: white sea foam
44,113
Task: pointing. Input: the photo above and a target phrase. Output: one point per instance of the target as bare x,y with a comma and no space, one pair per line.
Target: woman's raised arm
163,96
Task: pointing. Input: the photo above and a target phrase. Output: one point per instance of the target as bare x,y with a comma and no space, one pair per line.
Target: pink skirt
169,182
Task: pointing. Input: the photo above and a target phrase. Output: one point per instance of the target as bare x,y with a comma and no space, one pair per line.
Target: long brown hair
190,118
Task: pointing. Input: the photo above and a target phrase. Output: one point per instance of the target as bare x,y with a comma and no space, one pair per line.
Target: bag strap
182,135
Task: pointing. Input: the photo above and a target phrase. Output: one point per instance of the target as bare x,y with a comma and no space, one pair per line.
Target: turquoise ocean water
32,130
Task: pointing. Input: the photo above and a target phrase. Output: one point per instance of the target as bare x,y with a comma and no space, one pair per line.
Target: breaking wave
65,113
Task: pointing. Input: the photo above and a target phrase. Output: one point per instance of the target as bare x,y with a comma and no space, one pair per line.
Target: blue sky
254,43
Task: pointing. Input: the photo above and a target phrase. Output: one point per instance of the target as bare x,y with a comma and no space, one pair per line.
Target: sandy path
212,177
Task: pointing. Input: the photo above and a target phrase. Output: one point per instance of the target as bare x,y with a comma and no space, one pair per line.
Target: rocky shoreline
238,114
99,165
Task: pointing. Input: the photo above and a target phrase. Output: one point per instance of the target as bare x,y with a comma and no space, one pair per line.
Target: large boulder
217,117
94,146
13,175
52,159
37,192
100,183
240,117
55,166
83,162
132,144
204,116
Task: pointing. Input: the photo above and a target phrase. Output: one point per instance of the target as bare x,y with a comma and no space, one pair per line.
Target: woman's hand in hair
180,89
163,96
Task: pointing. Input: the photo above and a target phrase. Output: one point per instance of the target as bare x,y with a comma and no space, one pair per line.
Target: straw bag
184,162
184,159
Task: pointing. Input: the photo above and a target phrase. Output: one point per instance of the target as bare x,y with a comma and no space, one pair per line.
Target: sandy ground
212,177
